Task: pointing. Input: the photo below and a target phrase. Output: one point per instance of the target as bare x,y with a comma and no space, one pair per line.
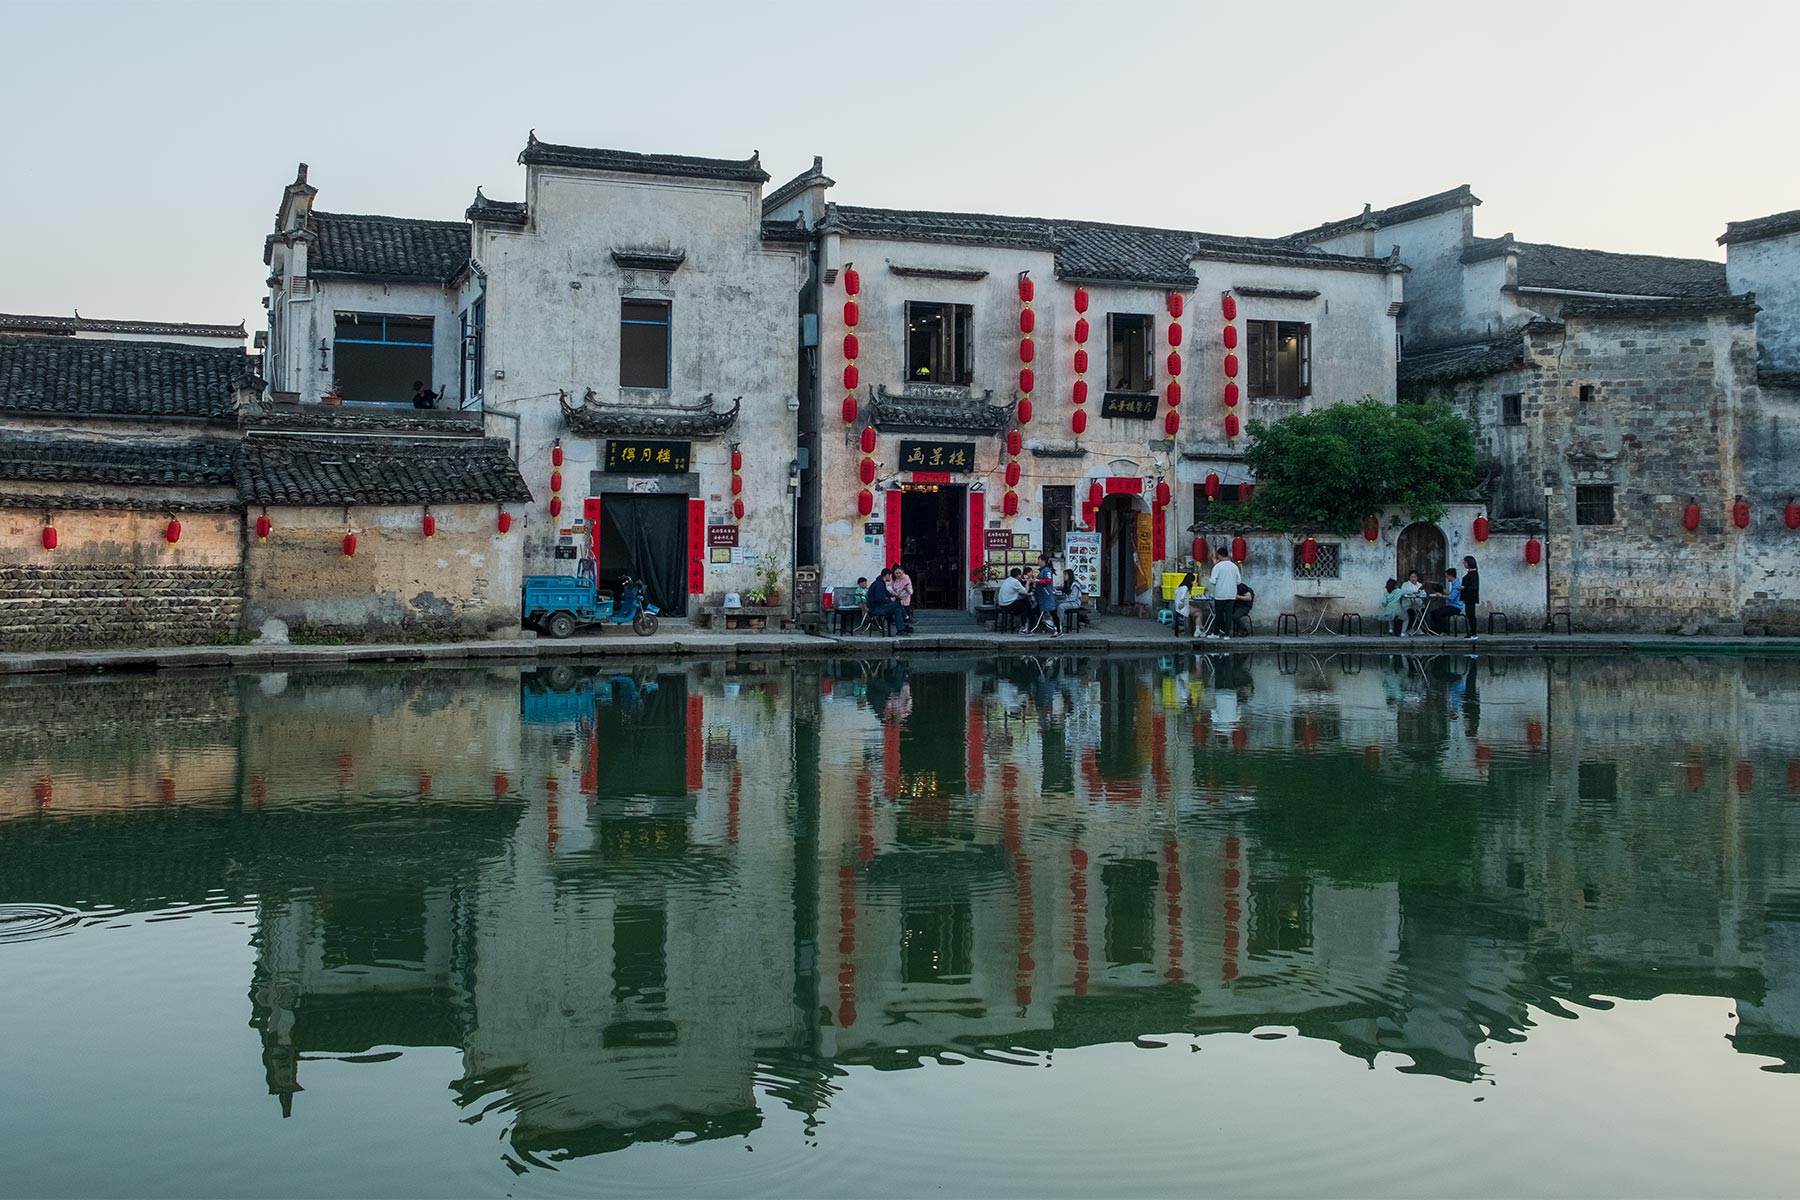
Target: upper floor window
1280,358
379,359
940,343
1512,409
1131,347
644,344
1594,504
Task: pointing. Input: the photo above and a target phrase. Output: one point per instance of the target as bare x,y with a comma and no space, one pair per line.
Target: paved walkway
946,633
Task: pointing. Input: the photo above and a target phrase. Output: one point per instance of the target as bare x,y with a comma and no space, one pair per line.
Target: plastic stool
1493,613
1344,620
1287,620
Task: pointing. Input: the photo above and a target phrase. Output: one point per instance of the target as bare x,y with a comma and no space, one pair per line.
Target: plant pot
773,600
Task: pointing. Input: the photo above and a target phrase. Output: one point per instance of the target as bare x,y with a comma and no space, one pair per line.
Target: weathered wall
464,582
1769,552
308,322
1510,453
114,579
1771,269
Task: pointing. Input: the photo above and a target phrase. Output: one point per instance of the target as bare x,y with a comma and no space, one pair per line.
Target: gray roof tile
1565,268
1776,225
1381,218
276,469
68,326
387,247
75,458
81,377
1465,360
548,154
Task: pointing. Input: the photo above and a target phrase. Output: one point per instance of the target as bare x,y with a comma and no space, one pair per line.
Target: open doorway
1118,524
934,543
646,536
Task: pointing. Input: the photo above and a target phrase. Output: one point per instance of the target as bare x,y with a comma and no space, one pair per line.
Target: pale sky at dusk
148,142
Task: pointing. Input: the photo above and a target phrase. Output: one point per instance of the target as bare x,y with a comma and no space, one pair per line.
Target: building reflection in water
643,904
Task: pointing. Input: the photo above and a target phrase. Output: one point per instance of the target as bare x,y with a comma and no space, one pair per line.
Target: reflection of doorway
933,542
645,537
1118,551
1421,548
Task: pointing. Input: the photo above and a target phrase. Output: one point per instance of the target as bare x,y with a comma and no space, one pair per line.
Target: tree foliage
1326,471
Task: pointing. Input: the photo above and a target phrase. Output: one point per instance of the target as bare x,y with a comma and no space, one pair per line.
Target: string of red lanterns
737,483
852,317
1228,310
1078,419
556,479
1172,394
1009,503
866,470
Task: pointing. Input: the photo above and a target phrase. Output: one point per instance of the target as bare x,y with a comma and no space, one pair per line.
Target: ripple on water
28,922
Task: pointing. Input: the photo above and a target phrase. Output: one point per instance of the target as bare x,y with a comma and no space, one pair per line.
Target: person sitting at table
1011,597
1440,614
1393,609
1072,596
882,605
1246,598
1413,603
861,592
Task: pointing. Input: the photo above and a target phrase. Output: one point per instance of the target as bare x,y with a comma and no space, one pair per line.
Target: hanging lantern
1078,422
1171,423
556,455
737,459
1481,530
1690,517
1790,515
1173,394
868,439
737,483
1212,485
1096,493
1534,552
1371,529
1027,320
867,471
1245,491
556,506
1309,552
852,280
865,502
1081,331
849,410
1079,393
1174,363
1009,504
504,523
852,314
1199,550
1240,549
1230,337
851,377
851,345
1015,442
1088,512
428,524
1175,304
1026,289
1162,493
349,545
1231,425
1228,307
556,481
1025,409
1231,366
1231,395
1740,513
1174,333
1012,473
1027,380
1027,349
1081,300
172,531
1081,362
737,510
263,526
49,536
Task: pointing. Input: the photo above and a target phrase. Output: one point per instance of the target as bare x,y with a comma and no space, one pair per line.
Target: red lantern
1081,362
851,377
1690,517
172,531
556,456
1012,474
1212,485
737,484
1009,504
1173,394
349,545
1199,550
1228,307
1026,289
868,439
1174,362
1078,422
1027,350
1371,530
851,345
1231,395
1231,366
1027,320
865,502
852,281
504,524
1309,552
737,510
737,460
1079,393
556,506
1240,549
1245,491
849,408
1791,515
1081,331
1174,333
1027,380
1096,493
1230,337
1231,425
49,537
1015,442
1534,552
263,526
1481,530
1171,423
1025,410
1740,514
852,314
1081,300
556,481
1162,493
1175,304
867,471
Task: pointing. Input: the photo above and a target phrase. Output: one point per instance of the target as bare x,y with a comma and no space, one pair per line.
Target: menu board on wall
1081,554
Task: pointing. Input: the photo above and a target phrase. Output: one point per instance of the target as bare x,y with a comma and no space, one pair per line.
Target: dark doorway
645,537
934,520
1118,551
1421,548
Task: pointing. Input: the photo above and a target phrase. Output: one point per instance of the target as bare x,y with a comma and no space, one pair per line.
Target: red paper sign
696,532
977,520
892,552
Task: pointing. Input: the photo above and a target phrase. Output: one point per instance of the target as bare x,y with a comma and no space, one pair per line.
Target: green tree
1325,471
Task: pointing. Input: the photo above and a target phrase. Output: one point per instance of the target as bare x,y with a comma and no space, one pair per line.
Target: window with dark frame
1131,350
1326,565
478,329
1594,504
1059,516
1227,498
377,357
1279,358
1512,409
644,344
1587,392
462,358
940,343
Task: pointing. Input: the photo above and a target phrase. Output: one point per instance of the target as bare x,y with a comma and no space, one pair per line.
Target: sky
150,141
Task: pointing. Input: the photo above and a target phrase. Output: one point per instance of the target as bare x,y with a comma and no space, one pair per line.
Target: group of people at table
1219,610
1038,602
1417,607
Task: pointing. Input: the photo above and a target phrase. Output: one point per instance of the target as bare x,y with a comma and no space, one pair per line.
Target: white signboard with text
1081,554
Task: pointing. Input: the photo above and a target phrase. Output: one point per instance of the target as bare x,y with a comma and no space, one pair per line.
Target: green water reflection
696,904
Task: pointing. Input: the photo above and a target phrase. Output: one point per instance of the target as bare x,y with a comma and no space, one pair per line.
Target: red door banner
1129,484
977,527
893,527
696,533
1159,530
696,742
590,512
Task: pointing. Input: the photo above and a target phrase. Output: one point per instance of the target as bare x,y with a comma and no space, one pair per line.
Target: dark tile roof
400,248
813,176
1565,268
362,418
785,231
75,458
1088,251
1762,227
82,377
597,420
496,212
1465,360
302,470
1381,218
548,154
69,326
1741,308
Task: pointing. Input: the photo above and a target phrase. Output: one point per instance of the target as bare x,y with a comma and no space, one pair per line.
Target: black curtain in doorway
646,537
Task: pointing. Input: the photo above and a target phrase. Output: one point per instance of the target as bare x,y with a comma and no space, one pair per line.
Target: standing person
1224,585
902,591
1044,593
1180,606
1471,591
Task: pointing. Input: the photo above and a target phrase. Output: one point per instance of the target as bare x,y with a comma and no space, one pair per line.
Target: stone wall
114,579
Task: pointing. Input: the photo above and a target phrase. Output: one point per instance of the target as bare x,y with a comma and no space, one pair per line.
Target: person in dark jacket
1471,591
883,606
423,397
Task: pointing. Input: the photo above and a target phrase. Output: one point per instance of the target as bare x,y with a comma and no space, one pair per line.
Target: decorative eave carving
963,274
1056,449
1275,293
648,260
913,412
590,419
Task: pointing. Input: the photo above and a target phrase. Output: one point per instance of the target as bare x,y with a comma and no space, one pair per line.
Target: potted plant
334,394
768,580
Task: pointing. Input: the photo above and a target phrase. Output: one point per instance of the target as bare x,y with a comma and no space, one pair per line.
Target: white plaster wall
1771,269
310,321
1431,248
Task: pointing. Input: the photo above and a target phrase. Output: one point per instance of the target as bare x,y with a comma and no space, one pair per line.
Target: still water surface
1244,925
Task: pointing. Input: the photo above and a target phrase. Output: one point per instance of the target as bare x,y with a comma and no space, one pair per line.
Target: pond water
1240,924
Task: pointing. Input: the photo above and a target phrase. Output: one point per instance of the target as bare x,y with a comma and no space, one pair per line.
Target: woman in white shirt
1182,604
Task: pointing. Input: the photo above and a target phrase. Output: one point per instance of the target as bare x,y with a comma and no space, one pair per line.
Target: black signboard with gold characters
639,456
1135,406
937,456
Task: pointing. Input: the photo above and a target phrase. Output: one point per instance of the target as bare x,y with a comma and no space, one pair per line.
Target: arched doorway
1421,548
1122,574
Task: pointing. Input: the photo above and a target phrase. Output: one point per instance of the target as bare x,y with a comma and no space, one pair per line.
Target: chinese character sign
937,456
642,457
1129,405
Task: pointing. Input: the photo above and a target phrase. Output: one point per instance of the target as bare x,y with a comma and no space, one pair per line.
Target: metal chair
1287,621
1496,613
1344,622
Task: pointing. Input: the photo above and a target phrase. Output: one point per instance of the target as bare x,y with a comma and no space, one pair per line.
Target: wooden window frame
955,343
1262,355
